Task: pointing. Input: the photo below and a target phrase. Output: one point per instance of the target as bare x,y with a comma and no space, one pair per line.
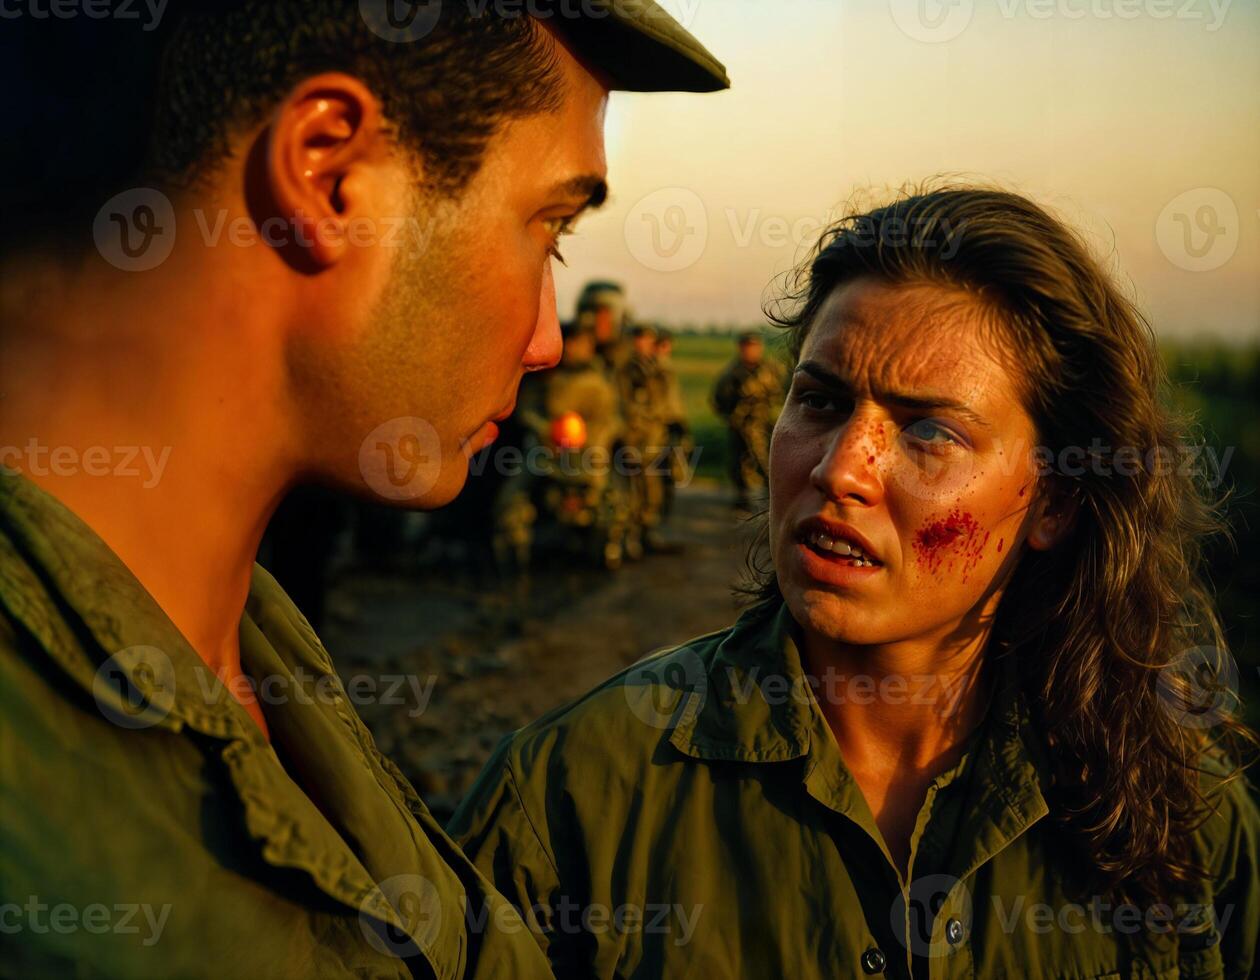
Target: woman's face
902,428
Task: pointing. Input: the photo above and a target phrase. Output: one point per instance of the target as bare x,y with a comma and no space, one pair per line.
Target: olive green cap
638,46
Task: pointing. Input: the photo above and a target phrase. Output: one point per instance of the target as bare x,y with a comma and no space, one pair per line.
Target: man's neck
132,412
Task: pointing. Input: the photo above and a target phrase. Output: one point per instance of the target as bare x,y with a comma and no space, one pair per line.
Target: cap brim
641,48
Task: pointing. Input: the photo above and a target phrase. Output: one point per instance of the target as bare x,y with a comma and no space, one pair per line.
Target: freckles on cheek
955,538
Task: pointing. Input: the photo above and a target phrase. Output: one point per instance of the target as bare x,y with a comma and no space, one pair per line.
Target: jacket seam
509,769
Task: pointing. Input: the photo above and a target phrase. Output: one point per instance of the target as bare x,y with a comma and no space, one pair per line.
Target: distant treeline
1220,384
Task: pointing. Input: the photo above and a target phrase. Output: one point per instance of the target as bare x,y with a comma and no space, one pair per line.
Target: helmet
602,306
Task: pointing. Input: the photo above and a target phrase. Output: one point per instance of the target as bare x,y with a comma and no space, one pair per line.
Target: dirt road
445,667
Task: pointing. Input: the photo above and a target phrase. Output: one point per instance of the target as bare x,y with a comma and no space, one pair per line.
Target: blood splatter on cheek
956,536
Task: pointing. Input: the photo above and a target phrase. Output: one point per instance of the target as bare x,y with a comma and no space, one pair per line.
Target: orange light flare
568,431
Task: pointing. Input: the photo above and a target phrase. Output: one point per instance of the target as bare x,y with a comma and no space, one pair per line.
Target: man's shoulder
283,623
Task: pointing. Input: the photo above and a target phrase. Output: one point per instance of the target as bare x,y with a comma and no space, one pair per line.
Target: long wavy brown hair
1118,641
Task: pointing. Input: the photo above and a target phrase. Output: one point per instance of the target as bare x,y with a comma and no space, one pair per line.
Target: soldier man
602,307
679,442
643,404
174,736
575,409
576,385
746,397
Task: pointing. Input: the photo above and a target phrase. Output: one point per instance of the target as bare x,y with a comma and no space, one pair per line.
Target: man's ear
1054,516
320,146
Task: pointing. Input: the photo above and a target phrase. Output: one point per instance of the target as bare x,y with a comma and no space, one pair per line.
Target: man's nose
847,470
546,346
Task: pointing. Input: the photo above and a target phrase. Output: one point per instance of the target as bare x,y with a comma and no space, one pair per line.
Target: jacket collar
108,635
755,705
750,705
68,586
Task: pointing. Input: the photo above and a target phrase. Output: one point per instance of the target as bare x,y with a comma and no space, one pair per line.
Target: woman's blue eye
929,431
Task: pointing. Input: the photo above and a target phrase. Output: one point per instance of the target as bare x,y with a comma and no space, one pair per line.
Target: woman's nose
847,469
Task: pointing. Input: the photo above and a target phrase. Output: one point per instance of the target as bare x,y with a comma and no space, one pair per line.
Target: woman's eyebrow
920,403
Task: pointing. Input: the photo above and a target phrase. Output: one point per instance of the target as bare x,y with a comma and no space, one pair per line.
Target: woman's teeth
838,546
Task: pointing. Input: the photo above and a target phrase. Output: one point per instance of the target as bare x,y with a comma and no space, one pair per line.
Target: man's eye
925,430
557,228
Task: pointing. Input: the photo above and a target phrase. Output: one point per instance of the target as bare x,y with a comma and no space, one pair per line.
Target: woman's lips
832,569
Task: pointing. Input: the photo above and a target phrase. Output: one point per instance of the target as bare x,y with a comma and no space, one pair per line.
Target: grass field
1219,384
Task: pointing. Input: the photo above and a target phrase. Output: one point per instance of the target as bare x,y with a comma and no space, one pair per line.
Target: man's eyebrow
921,403
592,187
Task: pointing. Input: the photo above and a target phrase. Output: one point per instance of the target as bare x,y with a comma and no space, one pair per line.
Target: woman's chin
830,617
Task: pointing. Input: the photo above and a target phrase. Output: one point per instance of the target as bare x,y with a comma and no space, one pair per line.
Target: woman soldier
977,722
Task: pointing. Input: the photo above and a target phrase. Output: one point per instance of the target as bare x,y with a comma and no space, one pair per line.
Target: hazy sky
1138,120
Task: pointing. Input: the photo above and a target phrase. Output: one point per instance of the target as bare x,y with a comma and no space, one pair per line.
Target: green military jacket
745,396
675,408
644,401
693,817
148,829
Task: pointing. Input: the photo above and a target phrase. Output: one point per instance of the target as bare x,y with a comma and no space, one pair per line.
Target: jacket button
873,961
954,932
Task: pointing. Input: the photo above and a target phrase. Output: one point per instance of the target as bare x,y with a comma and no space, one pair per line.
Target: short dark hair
98,106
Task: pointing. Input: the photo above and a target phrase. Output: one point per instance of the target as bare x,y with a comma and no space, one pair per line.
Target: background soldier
574,409
746,396
643,404
678,430
601,307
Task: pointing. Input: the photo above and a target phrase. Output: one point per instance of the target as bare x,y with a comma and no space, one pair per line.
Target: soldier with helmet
601,308
746,397
645,440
